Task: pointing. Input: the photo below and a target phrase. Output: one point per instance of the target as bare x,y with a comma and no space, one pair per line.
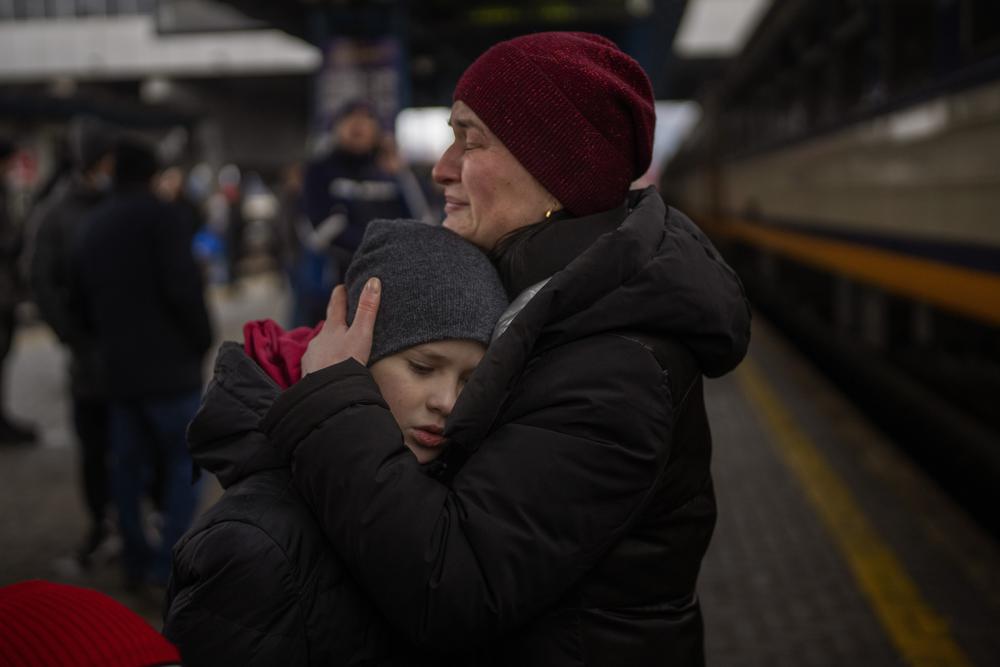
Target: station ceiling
443,36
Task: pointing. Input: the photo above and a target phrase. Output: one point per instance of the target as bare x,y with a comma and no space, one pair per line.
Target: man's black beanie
135,161
90,139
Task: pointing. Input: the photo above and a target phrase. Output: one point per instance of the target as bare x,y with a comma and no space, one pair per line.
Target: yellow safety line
970,292
921,635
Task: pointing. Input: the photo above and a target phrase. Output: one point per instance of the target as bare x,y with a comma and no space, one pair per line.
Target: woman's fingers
368,302
337,342
336,307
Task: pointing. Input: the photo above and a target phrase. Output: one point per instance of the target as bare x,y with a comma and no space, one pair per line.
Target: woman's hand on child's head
338,342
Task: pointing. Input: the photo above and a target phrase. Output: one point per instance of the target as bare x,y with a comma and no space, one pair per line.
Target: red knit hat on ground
44,624
575,110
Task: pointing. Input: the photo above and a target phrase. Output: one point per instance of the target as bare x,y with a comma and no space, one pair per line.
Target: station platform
831,547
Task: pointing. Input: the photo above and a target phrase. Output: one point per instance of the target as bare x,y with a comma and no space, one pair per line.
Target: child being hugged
254,582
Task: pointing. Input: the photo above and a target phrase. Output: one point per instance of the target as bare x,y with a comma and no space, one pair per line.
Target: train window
92,7
913,35
24,9
981,27
56,8
862,76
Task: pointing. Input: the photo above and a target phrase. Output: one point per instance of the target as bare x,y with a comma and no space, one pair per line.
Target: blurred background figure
63,165
171,188
411,187
227,203
290,216
260,208
292,234
143,295
55,227
226,225
343,191
11,291
209,239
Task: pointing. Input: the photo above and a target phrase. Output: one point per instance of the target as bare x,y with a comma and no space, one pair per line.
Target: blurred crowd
114,250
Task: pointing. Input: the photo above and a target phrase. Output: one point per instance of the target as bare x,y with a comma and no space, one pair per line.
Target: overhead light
156,90
717,28
919,122
62,86
423,134
639,8
674,122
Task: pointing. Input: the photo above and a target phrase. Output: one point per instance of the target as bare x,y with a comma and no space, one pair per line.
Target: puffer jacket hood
669,281
224,437
656,274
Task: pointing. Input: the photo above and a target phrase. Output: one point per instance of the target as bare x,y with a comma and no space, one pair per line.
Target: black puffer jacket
575,501
253,581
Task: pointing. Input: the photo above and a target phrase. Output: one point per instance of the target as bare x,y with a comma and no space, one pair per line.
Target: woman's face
486,190
420,385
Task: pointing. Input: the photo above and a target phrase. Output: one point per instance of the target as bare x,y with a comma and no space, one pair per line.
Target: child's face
420,385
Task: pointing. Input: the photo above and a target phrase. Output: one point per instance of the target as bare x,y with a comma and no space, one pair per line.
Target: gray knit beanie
435,286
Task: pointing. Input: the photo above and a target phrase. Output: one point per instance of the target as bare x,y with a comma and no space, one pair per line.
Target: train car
849,165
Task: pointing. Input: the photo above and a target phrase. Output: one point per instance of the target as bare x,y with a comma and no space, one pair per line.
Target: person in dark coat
55,226
342,191
143,299
254,582
11,431
573,506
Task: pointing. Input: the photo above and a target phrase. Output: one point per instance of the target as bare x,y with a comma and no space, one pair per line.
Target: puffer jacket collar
536,252
225,437
655,274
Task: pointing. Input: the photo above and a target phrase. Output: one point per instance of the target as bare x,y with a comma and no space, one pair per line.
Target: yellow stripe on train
969,292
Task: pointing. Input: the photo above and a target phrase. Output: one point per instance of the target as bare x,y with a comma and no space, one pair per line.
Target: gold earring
548,214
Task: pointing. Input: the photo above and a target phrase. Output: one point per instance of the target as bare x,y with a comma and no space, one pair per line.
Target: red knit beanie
44,624
574,110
